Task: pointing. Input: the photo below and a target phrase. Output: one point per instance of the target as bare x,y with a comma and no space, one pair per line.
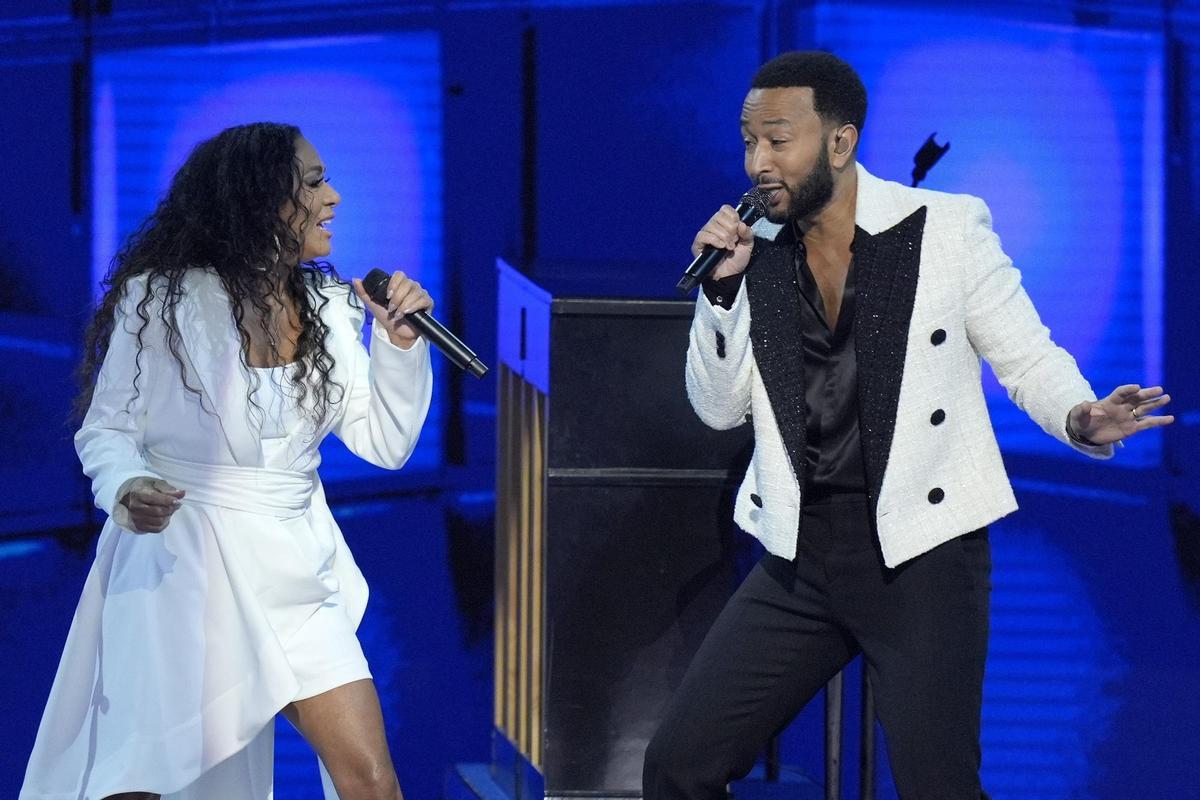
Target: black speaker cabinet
614,548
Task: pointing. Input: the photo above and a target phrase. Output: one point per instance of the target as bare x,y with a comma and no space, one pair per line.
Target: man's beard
810,196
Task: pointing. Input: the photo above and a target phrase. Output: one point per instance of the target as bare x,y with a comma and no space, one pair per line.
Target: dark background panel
637,138
483,151
635,574
44,235
620,401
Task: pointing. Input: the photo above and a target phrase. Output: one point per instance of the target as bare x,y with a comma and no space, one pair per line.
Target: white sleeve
109,443
387,400
720,362
1041,378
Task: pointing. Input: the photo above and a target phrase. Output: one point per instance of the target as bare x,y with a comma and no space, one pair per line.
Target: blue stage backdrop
1060,130
371,106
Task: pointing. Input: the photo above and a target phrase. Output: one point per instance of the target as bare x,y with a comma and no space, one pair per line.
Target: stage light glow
1059,130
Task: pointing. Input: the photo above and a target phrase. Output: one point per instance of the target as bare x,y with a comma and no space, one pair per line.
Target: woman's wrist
403,342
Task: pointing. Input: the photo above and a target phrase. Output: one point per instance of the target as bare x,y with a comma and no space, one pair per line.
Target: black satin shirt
834,463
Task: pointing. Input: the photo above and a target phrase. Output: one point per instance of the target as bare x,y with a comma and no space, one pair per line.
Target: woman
222,592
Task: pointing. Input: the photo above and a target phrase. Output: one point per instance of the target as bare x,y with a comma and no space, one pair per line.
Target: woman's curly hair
222,213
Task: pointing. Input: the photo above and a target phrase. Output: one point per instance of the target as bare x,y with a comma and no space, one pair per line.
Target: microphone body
451,346
750,209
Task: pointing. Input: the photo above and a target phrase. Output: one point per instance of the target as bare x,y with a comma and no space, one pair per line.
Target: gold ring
1133,411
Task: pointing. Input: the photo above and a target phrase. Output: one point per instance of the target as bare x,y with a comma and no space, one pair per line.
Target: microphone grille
756,198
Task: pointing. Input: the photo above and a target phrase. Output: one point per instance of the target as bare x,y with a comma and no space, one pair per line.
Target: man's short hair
838,93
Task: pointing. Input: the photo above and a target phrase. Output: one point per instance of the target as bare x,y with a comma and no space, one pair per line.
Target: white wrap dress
186,644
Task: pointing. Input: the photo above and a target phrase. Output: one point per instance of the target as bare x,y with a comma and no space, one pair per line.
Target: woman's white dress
186,644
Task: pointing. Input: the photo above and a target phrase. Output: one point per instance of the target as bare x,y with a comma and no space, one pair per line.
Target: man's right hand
151,502
726,232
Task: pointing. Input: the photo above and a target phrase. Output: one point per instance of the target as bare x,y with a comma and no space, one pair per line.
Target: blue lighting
1060,130
20,549
1052,671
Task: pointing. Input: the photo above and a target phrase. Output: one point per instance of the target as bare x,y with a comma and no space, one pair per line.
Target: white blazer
934,294
174,663
215,424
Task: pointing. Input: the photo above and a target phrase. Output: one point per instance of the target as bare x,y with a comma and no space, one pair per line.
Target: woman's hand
151,502
404,296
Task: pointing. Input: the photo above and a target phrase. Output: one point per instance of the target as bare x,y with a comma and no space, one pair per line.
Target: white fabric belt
257,490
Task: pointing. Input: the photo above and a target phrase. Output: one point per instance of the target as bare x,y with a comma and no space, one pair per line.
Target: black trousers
921,627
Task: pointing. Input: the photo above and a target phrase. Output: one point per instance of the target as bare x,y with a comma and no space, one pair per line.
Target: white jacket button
756,500
936,495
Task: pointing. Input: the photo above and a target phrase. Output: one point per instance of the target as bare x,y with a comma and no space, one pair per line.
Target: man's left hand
1128,410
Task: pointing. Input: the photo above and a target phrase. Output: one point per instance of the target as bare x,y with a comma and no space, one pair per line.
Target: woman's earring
274,260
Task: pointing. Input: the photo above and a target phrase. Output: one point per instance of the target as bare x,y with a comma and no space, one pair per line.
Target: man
852,341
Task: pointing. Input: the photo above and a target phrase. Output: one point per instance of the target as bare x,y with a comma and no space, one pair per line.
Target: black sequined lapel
777,337
887,266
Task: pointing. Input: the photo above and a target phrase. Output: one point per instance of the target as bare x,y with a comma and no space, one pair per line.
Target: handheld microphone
750,209
451,346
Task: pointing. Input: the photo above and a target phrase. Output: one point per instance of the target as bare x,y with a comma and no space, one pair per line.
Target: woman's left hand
404,297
